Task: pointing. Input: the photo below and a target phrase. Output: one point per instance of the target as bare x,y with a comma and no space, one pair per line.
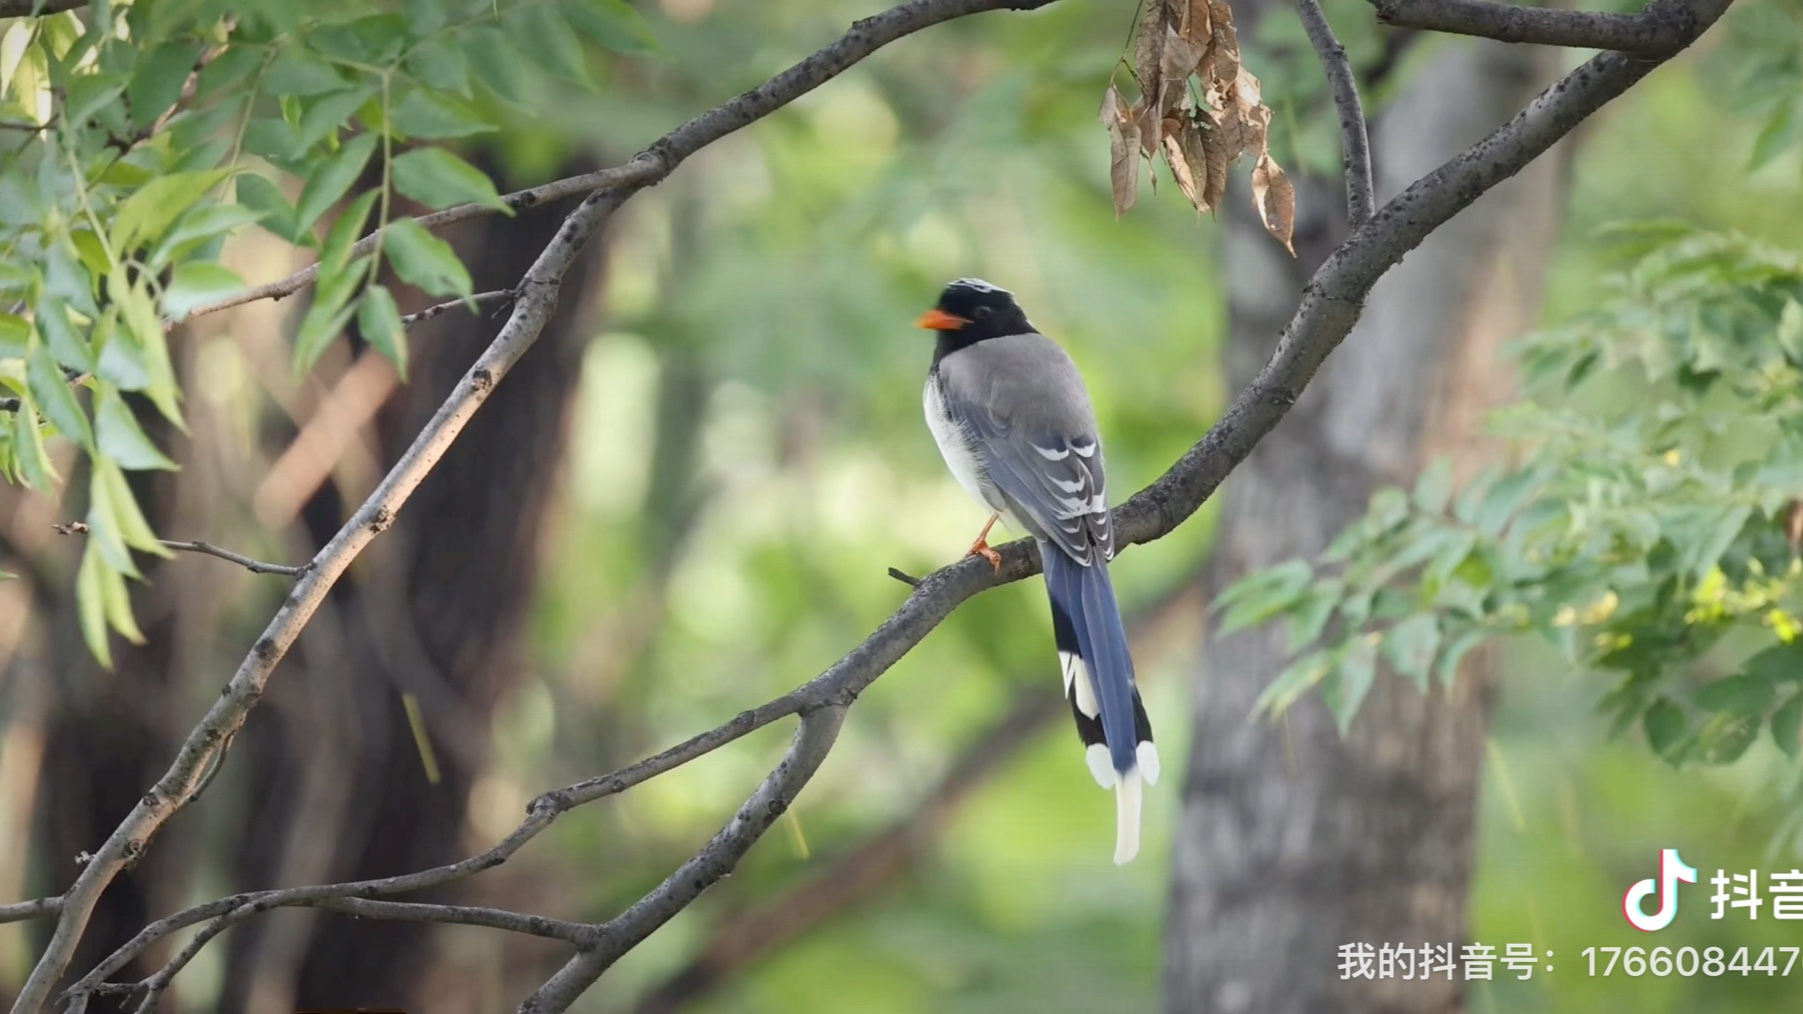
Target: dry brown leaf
1177,158
1123,156
1148,54
1180,57
1275,199
1195,23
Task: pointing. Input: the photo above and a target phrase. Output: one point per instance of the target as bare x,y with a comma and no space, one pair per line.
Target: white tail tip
1126,812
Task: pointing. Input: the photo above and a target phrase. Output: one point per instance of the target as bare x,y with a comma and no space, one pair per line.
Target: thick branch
1660,29
531,311
1355,140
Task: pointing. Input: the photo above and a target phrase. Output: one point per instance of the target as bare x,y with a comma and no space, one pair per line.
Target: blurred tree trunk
1293,839
436,610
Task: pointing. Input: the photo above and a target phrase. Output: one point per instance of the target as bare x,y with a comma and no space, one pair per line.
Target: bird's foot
981,548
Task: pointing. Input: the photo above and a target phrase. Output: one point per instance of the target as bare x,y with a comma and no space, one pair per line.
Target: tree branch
22,910
1355,140
1660,29
743,939
478,299
532,309
819,729
205,548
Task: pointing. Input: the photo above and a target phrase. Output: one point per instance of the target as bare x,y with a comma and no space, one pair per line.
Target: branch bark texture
1660,29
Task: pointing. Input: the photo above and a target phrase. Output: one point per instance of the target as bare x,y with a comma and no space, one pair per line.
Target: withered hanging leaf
1179,61
1195,23
1148,54
1219,151
1275,198
1123,157
1177,156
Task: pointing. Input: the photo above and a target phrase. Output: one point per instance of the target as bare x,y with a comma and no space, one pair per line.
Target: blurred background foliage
747,459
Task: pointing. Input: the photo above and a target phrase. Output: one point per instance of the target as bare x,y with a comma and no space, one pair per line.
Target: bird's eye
984,313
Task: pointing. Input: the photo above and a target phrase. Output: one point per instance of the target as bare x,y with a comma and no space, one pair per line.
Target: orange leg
981,546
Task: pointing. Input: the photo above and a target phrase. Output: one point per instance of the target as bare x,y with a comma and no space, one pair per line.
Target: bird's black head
970,310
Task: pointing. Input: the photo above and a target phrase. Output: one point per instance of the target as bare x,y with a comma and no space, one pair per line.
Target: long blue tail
1098,672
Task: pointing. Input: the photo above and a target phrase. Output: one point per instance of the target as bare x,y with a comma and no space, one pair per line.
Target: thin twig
476,300
904,577
1659,29
1355,141
19,911
207,548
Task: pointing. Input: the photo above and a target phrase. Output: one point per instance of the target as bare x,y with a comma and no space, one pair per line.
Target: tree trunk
1293,839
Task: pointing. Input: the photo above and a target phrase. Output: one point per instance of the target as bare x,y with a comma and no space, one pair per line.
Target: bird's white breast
954,445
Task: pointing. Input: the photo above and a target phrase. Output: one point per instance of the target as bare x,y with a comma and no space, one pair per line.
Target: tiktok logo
1671,870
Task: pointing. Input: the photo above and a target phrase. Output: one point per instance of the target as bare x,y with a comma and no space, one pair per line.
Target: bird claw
981,548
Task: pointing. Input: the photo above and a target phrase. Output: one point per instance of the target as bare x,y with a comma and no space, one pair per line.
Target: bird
1013,421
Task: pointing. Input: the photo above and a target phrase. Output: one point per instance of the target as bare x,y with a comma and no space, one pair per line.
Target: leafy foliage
136,139
1652,529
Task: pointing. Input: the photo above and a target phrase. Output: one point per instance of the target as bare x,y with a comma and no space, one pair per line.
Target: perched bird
1013,420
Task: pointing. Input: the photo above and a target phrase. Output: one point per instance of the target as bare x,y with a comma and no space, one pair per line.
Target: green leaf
298,72
156,83
424,114
540,30
120,509
1309,616
330,312
66,344
379,319
138,319
1726,737
326,114
1294,681
28,450
1781,663
90,598
331,179
498,64
336,252
1664,723
1721,536
15,336
199,226
1780,134
612,24
1345,688
1455,653
153,208
264,198
50,389
440,64
117,432
438,179
1740,695
1411,645
1785,725
1262,594
197,283
1433,487
425,261
1503,499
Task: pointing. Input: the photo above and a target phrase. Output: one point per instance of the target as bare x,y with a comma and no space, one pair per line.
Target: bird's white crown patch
977,285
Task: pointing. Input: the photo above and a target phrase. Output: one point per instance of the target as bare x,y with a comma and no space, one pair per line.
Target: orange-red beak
939,320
